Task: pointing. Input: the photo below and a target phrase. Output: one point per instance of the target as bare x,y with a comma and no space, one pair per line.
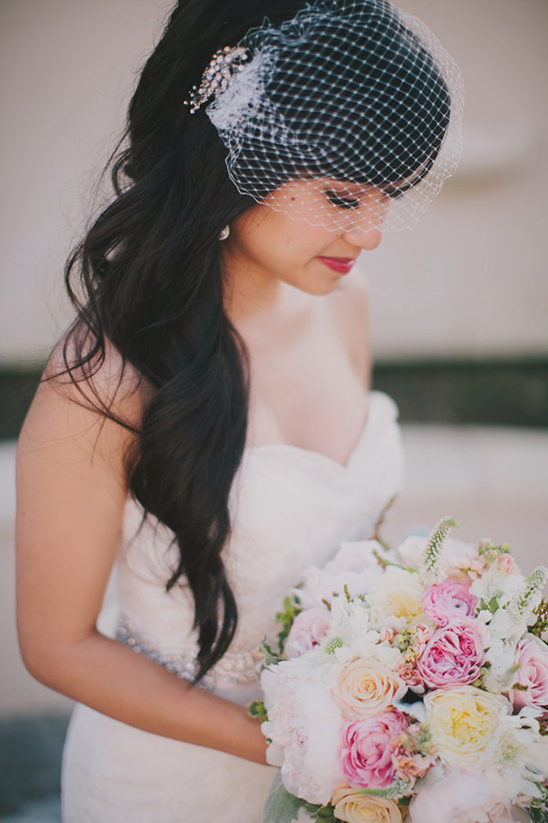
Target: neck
257,302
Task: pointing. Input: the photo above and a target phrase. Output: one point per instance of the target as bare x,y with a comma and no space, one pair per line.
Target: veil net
346,116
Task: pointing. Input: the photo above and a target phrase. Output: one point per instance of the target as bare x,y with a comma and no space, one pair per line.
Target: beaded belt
237,666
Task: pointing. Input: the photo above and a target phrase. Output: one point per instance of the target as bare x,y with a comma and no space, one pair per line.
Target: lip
342,265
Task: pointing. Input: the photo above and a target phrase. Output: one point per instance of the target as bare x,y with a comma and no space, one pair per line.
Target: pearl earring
225,232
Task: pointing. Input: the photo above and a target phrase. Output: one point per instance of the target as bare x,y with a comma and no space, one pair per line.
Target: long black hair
152,280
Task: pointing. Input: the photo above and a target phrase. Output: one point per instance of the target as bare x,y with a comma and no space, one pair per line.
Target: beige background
470,279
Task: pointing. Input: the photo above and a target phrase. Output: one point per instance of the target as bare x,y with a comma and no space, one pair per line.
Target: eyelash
342,202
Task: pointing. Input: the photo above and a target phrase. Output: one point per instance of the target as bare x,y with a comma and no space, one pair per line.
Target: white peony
463,797
304,726
353,556
354,569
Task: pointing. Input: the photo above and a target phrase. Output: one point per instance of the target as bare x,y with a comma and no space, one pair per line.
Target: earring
225,232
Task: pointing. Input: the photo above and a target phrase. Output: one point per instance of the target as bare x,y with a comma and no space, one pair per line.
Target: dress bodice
290,507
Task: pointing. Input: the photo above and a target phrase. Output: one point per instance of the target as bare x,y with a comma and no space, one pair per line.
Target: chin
320,289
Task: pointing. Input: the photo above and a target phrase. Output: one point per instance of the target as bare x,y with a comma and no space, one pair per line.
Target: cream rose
353,807
463,722
366,688
397,598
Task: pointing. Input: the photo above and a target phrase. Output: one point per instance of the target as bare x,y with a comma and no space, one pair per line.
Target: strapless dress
290,508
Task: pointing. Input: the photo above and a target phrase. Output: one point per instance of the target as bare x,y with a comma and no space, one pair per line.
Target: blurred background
459,306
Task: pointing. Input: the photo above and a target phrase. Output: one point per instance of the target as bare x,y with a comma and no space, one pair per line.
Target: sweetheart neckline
317,454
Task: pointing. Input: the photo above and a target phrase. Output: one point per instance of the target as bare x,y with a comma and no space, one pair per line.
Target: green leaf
286,618
541,623
283,807
257,708
539,806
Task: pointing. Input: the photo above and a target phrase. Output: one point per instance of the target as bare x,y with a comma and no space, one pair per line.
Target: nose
367,238
366,230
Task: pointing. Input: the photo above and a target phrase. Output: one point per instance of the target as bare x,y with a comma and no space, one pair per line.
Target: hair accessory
224,233
346,116
215,79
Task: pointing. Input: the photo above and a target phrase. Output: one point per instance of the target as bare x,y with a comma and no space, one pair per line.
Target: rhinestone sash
237,667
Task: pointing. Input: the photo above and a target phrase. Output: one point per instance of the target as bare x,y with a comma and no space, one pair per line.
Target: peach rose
366,688
507,564
353,807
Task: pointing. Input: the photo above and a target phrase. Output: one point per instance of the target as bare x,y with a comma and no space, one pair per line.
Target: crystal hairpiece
215,79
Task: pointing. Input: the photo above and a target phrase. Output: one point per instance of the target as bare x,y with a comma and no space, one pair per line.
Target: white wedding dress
290,507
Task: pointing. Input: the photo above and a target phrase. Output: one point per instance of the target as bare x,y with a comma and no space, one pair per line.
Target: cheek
271,238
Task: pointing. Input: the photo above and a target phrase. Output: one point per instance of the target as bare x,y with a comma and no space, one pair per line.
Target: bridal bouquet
410,686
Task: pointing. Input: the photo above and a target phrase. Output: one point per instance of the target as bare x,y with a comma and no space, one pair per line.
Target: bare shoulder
84,416
105,383
349,307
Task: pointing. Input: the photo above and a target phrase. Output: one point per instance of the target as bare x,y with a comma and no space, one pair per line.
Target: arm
72,489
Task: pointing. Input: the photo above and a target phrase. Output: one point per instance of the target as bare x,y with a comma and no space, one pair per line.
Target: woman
206,426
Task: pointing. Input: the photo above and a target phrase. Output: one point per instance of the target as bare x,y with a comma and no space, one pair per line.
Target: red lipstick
342,265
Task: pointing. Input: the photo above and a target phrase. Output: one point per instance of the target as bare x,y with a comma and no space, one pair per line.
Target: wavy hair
151,276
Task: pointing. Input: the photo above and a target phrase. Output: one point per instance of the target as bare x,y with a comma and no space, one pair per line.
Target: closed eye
341,201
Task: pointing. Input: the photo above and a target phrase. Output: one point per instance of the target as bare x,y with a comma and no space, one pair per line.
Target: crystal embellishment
238,666
215,79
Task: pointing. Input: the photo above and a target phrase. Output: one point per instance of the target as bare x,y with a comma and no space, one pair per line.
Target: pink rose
532,657
366,756
449,599
306,632
453,656
507,564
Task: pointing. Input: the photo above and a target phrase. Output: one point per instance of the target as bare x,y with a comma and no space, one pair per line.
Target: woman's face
274,242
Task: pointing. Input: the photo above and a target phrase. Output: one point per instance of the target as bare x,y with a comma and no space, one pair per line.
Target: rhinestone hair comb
215,79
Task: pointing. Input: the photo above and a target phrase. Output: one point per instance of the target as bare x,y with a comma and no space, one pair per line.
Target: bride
205,428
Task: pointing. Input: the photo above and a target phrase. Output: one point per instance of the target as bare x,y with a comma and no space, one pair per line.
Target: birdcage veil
348,97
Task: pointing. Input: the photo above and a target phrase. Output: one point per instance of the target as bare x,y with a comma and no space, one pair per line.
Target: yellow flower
366,687
462,723
398,594
353,807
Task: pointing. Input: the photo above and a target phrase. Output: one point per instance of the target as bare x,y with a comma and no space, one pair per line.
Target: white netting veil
350,107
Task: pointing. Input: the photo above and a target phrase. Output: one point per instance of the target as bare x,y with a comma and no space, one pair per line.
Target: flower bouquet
410,686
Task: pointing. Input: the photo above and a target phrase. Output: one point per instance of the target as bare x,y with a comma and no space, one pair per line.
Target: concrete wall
470,279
